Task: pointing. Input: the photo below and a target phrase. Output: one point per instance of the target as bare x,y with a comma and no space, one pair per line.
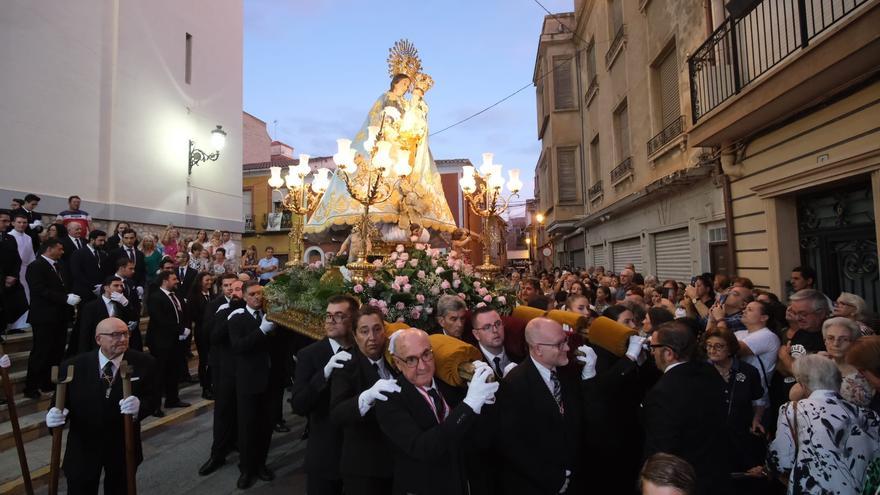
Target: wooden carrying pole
130,462
60,398
16,429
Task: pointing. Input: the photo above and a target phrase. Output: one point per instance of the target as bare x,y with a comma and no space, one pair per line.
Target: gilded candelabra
373,181
301,199
483,191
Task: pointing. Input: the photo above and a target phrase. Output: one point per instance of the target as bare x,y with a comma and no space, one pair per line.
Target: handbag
794,437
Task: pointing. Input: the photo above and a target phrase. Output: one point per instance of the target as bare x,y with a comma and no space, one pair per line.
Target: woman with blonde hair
851,306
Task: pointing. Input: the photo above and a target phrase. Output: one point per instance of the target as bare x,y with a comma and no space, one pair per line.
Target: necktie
498,371
130,254
258,315
57,272
439,406
557,391
181,275
176,305
107,377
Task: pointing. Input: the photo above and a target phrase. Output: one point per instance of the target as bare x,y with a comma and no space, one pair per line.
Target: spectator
201,238
220,264
51,232
267,268
635,295
250,261
73,241
542,302
579,304
767,297
699,297
195,257
152,258
576,287
230,246
214,242
115,240
803,277
807,311
823,443
530,288
15,204
840,334
170,241
621,314
729,311
720,283
864,355
74,214
666,474
759,344
655,317
853,307
603,299
626,282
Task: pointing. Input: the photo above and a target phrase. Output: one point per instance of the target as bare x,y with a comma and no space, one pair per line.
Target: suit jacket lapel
538,389
422,412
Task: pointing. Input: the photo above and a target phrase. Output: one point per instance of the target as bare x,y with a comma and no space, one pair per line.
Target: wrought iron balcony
745,47
595,191
616,45
666,135
622,171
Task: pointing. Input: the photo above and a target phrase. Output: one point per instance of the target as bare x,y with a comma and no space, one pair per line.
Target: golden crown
424,82
403,58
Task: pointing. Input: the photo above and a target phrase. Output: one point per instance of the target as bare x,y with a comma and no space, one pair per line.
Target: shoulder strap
793,427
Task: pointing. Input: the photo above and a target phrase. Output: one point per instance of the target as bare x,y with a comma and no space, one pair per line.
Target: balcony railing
622,171
616,43
592,90
249,225
744,48
595,191
666,135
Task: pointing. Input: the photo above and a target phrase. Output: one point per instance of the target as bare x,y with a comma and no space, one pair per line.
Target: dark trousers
322,486
365,485
254,431
203,346
167,367
225,415
183,350
47,351
114,483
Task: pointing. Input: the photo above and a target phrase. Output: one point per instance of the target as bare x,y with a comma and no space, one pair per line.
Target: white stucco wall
95,103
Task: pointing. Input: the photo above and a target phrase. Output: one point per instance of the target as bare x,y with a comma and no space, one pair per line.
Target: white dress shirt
545,374
111,309
673,365
103,360
491,357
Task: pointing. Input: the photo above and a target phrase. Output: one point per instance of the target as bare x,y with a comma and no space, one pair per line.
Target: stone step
20,342
38,450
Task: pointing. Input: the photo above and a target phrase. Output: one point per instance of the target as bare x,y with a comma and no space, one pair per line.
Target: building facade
102,100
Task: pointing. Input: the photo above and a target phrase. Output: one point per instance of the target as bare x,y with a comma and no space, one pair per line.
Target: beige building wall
256,141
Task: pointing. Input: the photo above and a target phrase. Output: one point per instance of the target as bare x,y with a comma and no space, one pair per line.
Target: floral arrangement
405,285
408,283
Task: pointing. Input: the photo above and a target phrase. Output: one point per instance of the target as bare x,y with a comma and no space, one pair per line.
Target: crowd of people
723,387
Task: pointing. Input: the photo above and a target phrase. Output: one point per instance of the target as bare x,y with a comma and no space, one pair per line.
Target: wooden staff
130,463
16,429
60,397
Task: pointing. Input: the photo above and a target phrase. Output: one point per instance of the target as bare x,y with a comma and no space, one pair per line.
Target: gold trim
299,321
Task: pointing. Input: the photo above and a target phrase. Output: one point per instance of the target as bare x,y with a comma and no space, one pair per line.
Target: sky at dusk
316,66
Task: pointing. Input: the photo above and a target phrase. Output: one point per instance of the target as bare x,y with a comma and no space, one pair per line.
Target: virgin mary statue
417,200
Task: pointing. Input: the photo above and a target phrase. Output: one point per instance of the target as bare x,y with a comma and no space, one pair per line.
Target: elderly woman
450,315
853,307
839,334
864,355
823,443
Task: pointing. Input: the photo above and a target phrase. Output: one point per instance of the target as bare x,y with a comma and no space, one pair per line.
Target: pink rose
373,302
415,313
377,263
413,263
358,288
395,287
487,298
481,305
407,288
404,256
501,300
482,291
420,246
429,310
477,284
399,248
435,290
371,282
421,274
439,270
420,298
456,283
399,264
444,284
433,262
400,305
393,256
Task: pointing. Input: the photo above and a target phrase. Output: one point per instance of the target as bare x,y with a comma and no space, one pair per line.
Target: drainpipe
728,210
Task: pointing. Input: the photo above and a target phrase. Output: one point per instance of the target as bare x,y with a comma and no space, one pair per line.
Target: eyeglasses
413,361
559,346
335,317
497,326
657,346
116,335
716,347
841,303
839,340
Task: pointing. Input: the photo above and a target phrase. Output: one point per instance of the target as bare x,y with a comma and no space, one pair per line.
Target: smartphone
667,293
721,299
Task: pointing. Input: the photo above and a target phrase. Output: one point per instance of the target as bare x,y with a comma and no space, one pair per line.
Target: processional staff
16,429
60,398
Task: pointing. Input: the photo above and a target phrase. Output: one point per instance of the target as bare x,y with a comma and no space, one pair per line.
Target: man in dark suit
89,267
311,394
426,423
222,362
488,330
13,302
51,302
185,274
365,465
164,332
129,251
134,294
73,240
96,439
248,335
683,412
114,241
112,303
541,415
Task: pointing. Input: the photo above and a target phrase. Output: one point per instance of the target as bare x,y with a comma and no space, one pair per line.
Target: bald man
427,422
94,409
541,415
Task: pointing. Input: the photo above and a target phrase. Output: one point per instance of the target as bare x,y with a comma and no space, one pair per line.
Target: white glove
266,326
119,297
369,396
130,405
140,291
5,362
35,224
96,290
56,418
589,361
185,334
508,368
680,313
634,348
479,391
73,299
336,361
567,480
236,312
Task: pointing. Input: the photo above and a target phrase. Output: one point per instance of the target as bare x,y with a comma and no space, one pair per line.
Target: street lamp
196,156
483,191
301,199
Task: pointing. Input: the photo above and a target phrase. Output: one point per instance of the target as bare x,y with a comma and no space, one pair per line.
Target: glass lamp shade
321,181
514,184
468,184
218,138
303,169
467,171
275,180
486,168
372,131
342,146
402,168
293,180
496,181
382,159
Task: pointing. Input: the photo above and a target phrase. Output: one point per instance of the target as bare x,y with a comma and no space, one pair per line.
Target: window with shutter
621,131
567,171
670,108
595,167
591,61
563,95
616,16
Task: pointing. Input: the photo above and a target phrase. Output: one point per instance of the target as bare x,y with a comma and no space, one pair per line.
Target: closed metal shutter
626,252
672,255
568,180
599,255
563,95
578,259
670,107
